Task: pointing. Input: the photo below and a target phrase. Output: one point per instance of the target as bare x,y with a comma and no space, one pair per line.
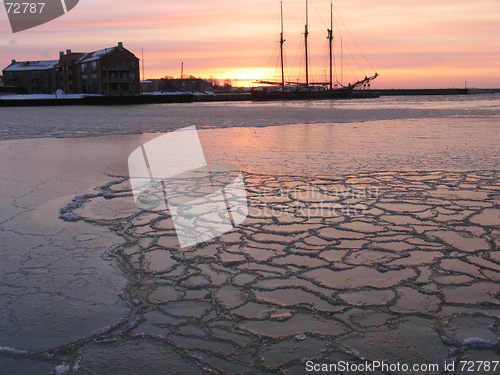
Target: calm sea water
78,121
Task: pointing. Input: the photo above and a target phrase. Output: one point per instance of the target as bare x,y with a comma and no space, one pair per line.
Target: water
80,121
373,233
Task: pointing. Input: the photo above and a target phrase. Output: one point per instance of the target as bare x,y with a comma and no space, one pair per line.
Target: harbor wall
396,92
98,100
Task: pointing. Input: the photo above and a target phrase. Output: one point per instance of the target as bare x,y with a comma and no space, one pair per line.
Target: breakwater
27,101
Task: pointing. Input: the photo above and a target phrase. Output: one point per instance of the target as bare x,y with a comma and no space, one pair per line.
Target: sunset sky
425,43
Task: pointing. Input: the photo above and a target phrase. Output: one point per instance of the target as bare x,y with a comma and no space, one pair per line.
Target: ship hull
338,93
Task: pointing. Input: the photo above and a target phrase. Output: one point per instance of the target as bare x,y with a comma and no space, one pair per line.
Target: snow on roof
32,65
94,56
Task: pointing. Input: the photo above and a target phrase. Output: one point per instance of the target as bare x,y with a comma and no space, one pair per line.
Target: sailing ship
302,91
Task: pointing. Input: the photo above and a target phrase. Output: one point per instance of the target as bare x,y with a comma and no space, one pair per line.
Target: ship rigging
306,90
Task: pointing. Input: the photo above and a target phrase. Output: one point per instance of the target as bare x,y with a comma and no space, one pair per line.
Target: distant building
37,77
151,85
110,71
147,86
185,85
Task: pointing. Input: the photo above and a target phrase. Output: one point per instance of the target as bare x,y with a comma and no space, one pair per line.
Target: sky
409,43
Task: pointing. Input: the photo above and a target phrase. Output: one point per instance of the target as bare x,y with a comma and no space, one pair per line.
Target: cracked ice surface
383,282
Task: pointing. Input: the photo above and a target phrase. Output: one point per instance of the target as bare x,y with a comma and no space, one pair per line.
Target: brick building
37,77
110,71
69,77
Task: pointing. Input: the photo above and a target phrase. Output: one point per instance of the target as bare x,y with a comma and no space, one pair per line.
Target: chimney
68,52
61,54
120,46
13,61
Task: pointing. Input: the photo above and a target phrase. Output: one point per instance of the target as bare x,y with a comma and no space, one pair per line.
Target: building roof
32,65
96,55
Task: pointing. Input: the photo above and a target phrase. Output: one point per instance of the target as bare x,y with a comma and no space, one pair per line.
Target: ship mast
281,51
330,41
306,33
